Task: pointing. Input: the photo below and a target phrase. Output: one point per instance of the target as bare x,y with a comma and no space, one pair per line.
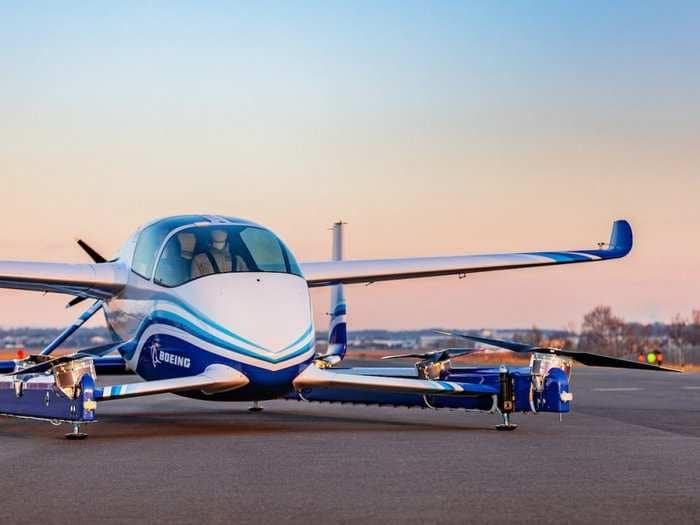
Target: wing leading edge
99,281
360,271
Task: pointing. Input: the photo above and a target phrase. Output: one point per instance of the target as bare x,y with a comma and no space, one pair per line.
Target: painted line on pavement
618,389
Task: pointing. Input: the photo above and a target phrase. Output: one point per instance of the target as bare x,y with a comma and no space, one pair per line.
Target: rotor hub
68,375
541,364
433,370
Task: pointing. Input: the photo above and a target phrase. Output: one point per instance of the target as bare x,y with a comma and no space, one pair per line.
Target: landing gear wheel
256,407
76,434
506,425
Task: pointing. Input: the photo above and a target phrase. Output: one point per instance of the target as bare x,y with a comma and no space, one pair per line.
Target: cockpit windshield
203,250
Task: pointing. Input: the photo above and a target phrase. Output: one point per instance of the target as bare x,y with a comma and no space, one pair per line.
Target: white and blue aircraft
218,308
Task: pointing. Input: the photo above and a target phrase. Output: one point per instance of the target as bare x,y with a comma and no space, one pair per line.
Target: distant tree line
606,333
33,338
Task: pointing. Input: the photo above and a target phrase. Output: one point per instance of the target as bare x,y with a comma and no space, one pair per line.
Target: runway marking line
618,389
690,387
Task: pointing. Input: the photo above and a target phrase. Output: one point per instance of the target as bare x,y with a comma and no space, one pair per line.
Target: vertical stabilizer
337,331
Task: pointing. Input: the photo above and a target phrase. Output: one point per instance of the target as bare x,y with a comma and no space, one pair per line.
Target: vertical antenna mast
337,330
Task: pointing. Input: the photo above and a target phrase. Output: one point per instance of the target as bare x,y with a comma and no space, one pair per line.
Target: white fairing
270,309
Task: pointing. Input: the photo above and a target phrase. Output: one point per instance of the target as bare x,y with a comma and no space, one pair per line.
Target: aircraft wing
99,281
314,377
215,378
359,271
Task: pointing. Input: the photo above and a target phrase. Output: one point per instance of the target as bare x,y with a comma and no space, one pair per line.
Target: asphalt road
629,453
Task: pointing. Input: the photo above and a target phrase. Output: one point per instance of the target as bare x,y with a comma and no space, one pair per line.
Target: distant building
430,341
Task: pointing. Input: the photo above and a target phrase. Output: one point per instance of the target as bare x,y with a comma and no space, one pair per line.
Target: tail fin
337,331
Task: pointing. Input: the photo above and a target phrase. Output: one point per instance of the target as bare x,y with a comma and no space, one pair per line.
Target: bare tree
532,337
693,330
635,339
603,332
677,330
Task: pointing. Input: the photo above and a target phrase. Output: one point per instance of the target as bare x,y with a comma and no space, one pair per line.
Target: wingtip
621,238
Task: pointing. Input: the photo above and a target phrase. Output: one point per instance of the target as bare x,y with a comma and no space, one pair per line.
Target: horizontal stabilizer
314,377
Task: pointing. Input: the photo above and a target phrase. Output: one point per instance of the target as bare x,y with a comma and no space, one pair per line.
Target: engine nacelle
69,375
541,364
555,395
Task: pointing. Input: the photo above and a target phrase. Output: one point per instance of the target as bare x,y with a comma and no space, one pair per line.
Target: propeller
76,300
586,358
436,356
94,254
96,257
44,363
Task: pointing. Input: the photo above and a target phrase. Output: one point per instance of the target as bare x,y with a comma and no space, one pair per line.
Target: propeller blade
45,365
403,356
458,352
590,359
585,358
75,300
513,346
438,355
94,254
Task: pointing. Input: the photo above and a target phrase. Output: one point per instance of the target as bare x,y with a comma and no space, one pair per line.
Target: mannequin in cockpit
217,258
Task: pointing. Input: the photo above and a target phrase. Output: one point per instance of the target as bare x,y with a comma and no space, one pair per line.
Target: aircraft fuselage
258,322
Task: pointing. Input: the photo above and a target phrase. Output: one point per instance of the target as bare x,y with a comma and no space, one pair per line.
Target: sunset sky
431,128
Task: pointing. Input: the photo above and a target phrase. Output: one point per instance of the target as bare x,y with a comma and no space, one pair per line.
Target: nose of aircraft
269,310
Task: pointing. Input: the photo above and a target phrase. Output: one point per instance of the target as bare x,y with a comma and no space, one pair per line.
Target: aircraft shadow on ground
237,422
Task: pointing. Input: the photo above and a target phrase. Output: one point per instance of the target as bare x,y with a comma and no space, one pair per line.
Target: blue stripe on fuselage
264,384
167,318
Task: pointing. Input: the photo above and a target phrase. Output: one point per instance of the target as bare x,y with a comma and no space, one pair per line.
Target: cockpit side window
150,241
199,251
147,249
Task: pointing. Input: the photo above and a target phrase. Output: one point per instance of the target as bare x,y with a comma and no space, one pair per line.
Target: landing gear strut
506,399
76,434
256,407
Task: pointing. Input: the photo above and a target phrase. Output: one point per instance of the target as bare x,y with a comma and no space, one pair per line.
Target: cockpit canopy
189,247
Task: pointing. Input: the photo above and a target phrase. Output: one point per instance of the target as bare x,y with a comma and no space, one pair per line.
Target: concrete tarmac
628,453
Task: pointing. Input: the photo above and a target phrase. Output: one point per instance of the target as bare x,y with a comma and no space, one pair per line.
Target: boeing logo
160,356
